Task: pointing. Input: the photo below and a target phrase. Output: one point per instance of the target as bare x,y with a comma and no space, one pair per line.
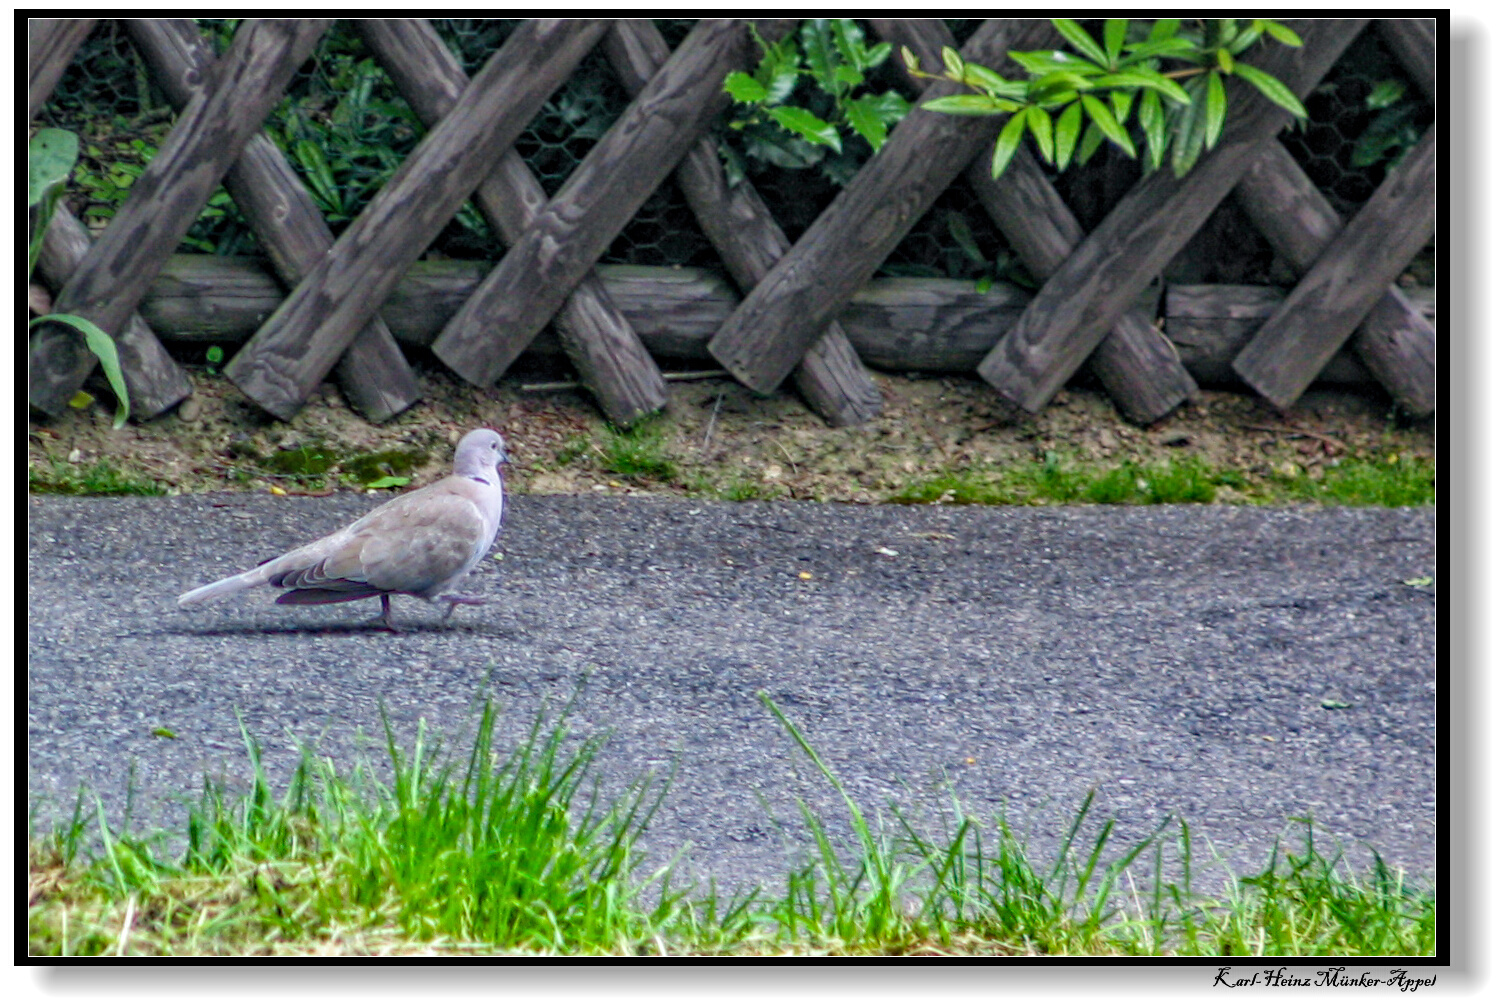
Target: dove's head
480,452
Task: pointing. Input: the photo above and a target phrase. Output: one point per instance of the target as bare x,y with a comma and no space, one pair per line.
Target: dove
419,544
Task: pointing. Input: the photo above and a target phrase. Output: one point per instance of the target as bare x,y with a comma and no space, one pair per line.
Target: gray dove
418,544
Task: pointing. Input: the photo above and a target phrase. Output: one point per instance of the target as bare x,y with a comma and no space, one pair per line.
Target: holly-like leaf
744,89
807,126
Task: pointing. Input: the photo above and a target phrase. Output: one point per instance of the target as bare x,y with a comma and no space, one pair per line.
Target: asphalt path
1234,667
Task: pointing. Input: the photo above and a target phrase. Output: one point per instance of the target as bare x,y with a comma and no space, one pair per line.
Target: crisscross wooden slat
299,343
611,361
1138,367
51,43
1346,281
1412,41
1106,272
622,170
830,375
1395,341
167,197
373,373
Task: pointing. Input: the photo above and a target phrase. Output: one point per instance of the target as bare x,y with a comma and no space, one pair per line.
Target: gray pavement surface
1174,659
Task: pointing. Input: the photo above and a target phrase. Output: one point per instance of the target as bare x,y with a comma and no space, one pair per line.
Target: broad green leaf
1008,142
1068,127
1153,124
1080,40
957,226
1228,27
103,347
1091,141
1164,28
50,156
1113,37
1059,82
1123,101
1187,128
1040,127
878,55
389,482
1105,120
953,61
1042,62
1225,60
1384,93
745,89
1246,38
970,104
1217,105
1176,47
1283,34
981,76
1136,76
807,126
1273,89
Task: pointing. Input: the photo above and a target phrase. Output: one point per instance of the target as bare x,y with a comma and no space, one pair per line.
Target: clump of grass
99,479
638,452
517,856
1053,481
519,853
1391,482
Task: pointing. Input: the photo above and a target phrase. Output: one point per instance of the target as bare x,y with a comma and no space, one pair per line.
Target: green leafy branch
51,155
785,124
1072,101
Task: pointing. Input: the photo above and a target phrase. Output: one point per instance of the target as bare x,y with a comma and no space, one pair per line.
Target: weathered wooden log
373,373
299,343
1412,41
739,225
153,380
1345,283
806,290
167,198
1210,324
1394,340
622,170
900,324
611,361
50,43
1090,290
1135,364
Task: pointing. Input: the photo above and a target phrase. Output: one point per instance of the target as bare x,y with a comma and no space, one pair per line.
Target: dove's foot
386,618
460,601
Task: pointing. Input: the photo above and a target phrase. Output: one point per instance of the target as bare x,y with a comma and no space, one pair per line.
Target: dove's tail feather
223,587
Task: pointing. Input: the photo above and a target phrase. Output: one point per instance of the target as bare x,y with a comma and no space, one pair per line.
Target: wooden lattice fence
813,310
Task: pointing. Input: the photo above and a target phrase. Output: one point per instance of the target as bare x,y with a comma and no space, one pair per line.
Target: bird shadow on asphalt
352,629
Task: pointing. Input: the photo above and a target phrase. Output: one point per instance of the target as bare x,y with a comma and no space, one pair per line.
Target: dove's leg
454,601
386,618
